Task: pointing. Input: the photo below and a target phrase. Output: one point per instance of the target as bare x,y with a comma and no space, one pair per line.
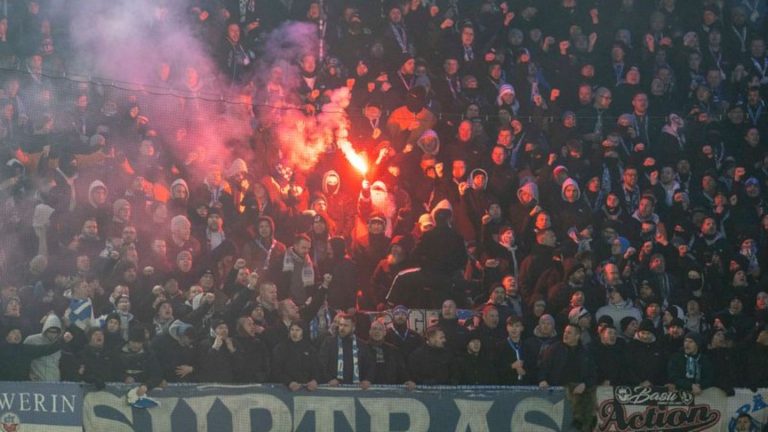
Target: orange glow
357,161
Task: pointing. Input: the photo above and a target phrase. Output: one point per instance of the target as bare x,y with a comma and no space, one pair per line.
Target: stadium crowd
589,177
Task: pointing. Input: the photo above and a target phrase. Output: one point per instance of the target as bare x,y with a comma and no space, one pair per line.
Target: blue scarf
692,369
340,360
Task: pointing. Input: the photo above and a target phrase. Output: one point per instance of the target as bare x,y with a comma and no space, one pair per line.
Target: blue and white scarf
340,360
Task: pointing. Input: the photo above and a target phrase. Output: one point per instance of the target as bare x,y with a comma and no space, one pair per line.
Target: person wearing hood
261,252
46,368
474,366
574,211
504,255
501,177
175,352
576,279
526,207
368,250
474,197
121,218
408,122
16,358
388,268
97,205
537,263
340,206
672,145
179,202
507,99
235,210
442,253
319,232
691,369
647,360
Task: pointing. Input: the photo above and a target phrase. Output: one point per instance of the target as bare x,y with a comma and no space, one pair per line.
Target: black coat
295,362
567,365
389,364
431,366
455,334
171,354
251,360
611,362
406,341
647,362
328,356
216,365
505,356
142,366
98,366
15,359
474,369
441,251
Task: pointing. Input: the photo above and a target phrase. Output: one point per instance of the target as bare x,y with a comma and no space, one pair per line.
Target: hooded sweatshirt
429,137
326,187
532,188
95,184
476,171
570,182
45,368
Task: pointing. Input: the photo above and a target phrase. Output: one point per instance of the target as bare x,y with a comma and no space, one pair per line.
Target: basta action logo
659,410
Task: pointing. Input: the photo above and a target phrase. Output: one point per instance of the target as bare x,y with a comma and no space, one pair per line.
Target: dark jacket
98,366
676,371
171,354
15,359
505,356
251,360
431,366
567,365
647,362
611,362
455,334
216,365
474,369
142,366
295,362
389,364
328,357
405,340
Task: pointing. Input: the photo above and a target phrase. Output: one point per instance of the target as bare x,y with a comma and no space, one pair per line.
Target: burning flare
357,161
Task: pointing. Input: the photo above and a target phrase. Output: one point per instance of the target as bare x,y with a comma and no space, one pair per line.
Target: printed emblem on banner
654,409
10,422
754,409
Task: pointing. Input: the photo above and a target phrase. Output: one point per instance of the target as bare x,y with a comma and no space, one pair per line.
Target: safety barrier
71,407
